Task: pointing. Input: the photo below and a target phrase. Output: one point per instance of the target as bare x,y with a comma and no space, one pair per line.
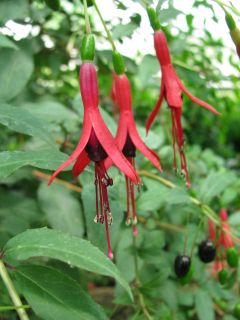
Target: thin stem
87,22
196,236
223,5
206,210
109,36
10,308
12,292
138,282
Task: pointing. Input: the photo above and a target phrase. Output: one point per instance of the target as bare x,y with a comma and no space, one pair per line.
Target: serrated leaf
63,211
20,120
168,14
204,306
49,159
16,68
123,30
64,247
53,295
215,184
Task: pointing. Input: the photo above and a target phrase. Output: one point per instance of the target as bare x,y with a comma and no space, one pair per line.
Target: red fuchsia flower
96,144
128,139
222,237
172,89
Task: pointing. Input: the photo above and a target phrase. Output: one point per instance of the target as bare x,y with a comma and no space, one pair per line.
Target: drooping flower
172,89
128,139
221,235
96,144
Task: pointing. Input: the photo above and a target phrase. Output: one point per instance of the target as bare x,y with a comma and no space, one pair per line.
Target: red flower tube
96,144
128,140
172,89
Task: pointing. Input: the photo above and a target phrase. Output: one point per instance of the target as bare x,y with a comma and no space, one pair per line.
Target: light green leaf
53,295
49,159
63,211
20,120
16,68
5,42
51,111
148,67
64,247
12,9
123,30
168,14
215,184
204,306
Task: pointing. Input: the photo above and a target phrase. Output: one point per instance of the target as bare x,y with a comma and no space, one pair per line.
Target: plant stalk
12,292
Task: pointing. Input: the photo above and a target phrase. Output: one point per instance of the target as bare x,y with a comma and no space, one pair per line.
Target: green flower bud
153,18
223,276
118,63
88,48
230,21
232,257
236,311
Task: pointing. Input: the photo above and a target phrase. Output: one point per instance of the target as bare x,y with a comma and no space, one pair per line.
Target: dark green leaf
20,120
53,295
49,159
64,247
63,211
16,68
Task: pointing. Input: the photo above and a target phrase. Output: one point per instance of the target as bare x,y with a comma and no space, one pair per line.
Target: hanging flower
226,252
96,144
172,89
128,139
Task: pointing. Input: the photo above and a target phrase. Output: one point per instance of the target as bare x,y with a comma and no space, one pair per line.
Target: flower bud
88,48
118,63
153,18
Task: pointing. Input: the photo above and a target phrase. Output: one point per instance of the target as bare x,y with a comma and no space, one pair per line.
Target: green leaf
53,295
5,42
204,306
123,30
64,247
51,111
12,9
168,14
215,184
63,211
16,68
149,66
20,120
49,159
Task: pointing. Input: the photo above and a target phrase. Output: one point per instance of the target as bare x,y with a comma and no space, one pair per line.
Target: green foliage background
41,118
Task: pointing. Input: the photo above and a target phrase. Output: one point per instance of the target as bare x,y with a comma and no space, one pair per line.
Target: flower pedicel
96,142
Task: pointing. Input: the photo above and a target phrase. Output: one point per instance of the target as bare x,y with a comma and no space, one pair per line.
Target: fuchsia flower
113,95
172,89
222,237
96,144
128,140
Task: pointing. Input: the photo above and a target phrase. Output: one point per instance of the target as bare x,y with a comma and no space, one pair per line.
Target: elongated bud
230,21
118,63
234,31
88,48
153,18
